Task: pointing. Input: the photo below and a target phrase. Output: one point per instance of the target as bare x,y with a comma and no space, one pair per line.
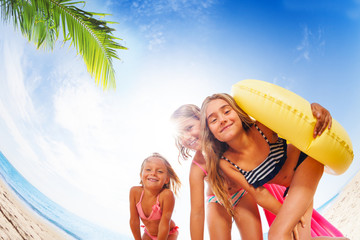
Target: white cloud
161,7
16,108
22,143
13,81
311,43
156,19
304,47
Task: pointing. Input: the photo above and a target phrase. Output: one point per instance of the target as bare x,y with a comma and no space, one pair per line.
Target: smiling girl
154,201
252,155
246,215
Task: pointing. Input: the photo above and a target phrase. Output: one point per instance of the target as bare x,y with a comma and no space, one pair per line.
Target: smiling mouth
226,127
152,180
193,142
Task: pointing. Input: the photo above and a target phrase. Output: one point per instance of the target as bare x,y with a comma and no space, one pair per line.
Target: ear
167,180
141,179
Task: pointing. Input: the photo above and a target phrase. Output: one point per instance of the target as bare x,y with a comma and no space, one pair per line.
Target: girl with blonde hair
153,202
246,215
250,154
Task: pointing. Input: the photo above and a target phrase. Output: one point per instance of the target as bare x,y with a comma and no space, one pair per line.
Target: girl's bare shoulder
166,195
136,190
196,171
264,128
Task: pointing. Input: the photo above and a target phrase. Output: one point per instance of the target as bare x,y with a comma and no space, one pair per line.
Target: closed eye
227,110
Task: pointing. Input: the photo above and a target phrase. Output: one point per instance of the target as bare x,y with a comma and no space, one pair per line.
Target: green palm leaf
42,20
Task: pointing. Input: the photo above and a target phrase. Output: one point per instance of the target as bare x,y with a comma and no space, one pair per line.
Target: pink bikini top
155,213
198,164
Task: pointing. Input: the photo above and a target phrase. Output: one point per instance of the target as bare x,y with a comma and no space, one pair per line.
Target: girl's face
191,132
223,121
154,173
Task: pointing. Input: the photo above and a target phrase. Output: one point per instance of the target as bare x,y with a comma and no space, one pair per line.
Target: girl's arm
261,195
167,203
134,216
197,214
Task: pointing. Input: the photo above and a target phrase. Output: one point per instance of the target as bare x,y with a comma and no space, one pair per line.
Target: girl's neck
241,142
152,192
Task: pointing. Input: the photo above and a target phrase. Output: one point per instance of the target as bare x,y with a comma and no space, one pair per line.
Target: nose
222,119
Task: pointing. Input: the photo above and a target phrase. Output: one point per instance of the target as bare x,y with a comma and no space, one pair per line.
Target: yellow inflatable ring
291,117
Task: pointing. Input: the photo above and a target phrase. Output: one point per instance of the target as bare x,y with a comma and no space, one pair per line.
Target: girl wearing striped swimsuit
251,155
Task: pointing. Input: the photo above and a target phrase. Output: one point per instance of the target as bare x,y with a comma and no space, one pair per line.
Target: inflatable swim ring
290,115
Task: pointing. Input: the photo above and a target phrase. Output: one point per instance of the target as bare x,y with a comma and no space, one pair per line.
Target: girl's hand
323,119
295,233
302,222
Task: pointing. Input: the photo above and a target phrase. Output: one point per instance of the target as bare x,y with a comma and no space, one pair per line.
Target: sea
75,226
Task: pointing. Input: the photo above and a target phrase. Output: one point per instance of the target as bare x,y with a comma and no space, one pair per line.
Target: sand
344,213
18,221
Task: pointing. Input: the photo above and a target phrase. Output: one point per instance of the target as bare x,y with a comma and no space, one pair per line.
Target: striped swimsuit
268,169
234,198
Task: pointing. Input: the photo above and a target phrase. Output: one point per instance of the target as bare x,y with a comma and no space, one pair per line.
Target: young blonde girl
236,145
187,124
153,202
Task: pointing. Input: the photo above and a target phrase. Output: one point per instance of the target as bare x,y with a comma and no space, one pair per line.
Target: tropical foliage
41,21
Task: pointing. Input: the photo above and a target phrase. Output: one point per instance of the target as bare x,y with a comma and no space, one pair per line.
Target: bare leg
173,236
298,203
247,219
219,222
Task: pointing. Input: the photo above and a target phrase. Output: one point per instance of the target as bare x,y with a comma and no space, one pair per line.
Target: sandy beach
344,213
18,221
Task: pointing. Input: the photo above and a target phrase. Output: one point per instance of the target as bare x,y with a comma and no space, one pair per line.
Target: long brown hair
179,119
213,149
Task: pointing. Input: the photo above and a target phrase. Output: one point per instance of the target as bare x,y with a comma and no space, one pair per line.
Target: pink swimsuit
154,215
198,164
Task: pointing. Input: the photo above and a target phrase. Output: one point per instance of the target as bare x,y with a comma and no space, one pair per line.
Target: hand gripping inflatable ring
290,115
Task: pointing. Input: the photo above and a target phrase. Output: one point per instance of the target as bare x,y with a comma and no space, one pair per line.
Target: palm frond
42,20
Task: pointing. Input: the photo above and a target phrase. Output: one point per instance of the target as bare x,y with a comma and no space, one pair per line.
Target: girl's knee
173,236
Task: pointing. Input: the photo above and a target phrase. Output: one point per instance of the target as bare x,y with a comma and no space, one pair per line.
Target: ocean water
73,225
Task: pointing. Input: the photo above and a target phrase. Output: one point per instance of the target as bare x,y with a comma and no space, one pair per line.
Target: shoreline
19,221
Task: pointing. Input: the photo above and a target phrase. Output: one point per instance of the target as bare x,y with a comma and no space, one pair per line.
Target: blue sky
60,129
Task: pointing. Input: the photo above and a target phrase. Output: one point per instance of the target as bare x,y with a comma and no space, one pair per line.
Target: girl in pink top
154,201
247,218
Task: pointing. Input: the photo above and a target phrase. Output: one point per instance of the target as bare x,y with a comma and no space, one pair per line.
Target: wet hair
179,119
213,149
174,183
